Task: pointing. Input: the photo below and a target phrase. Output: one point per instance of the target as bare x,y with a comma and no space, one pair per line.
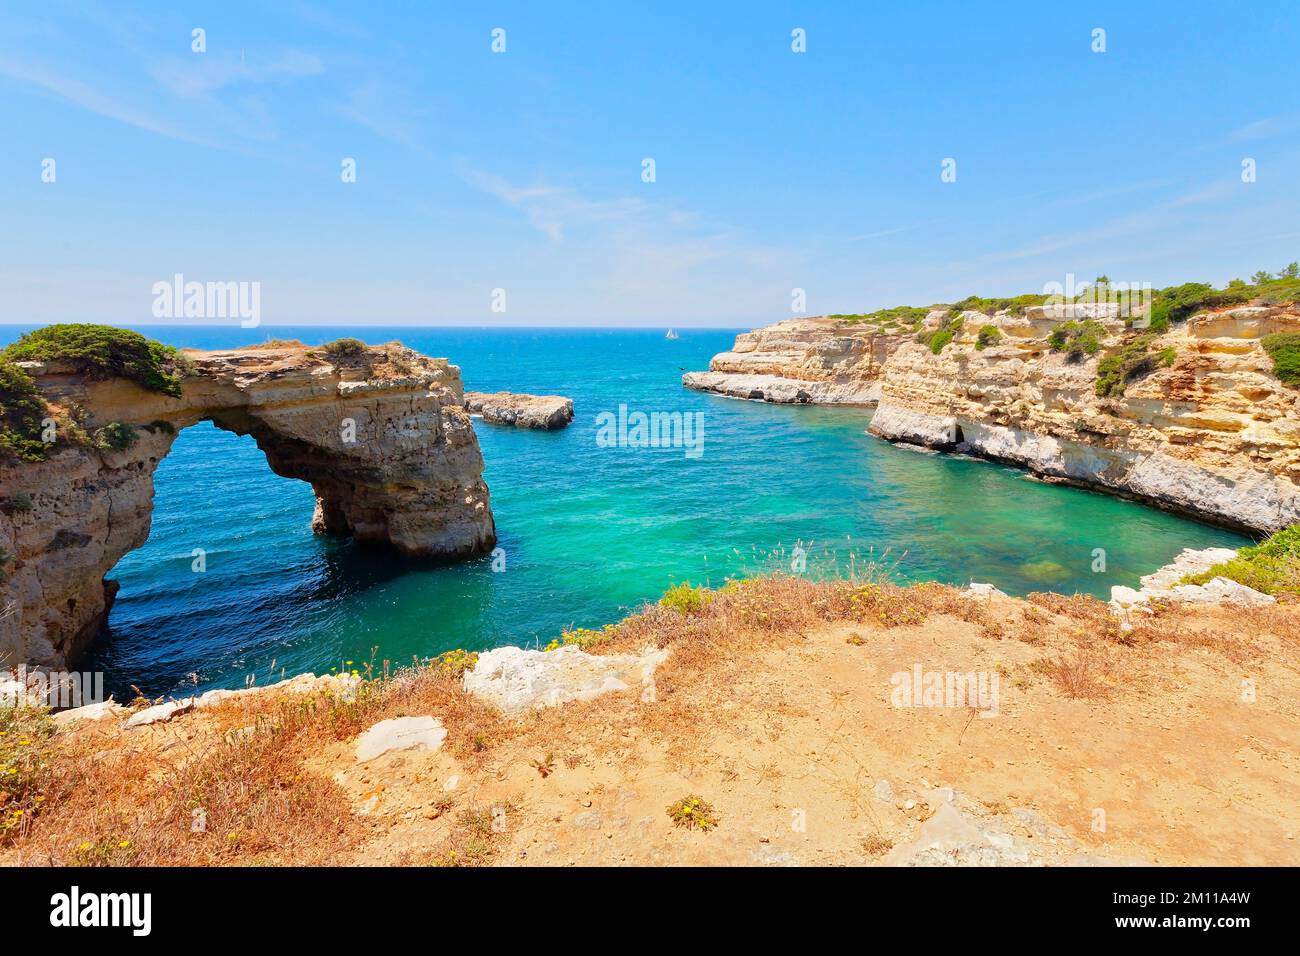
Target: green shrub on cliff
1132,362
936,339
22,409
115,436
1284,349
106,351
345,348
1272,566
685,599
1077,339
987,335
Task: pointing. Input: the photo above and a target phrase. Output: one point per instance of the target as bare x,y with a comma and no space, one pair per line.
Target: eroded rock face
382,436
543,412
1215,434
821,361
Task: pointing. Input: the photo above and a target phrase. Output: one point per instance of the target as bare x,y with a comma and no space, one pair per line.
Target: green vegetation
22,409
115,436
1015,305
1284,349
159,425
1272,566
1132,362
107,351
936,339
1169,305
1077,339
694,813
987,335
683,599
886,320
345,348
453,664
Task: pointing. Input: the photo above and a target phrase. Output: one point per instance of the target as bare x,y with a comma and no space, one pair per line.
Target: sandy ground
1181,747
807,761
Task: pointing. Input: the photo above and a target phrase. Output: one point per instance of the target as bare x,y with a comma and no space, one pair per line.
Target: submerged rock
518,680
543,412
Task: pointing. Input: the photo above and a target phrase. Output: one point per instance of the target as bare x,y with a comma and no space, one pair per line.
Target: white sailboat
672,335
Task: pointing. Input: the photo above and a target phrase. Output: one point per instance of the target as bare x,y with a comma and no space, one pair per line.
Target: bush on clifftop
105,351
1284,349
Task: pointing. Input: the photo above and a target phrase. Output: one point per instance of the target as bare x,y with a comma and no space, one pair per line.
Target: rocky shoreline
1207,431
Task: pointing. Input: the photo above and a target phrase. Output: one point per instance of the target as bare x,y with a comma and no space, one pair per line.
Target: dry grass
238,792
134,797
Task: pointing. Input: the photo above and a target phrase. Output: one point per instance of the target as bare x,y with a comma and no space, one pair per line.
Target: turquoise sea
589,532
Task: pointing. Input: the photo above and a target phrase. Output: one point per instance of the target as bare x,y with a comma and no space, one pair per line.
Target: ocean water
589,532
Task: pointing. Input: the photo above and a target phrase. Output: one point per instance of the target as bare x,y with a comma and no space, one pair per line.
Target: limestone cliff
380,433
821,361
1208,431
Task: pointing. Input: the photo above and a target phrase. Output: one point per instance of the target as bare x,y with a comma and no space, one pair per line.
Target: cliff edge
380,432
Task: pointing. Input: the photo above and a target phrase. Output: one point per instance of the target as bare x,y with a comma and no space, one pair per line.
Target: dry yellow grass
242,783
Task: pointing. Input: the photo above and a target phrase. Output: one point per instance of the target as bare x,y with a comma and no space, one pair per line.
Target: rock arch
382,436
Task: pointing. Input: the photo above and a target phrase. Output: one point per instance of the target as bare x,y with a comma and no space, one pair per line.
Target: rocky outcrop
1166,585
519,680
382,436
543,412
821,361
1210,431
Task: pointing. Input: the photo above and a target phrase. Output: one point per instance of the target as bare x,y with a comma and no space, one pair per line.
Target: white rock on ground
518,680
343,686
160,713
1163,584
400,733
105,708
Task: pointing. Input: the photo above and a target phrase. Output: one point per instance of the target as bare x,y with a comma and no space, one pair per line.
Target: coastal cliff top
785,723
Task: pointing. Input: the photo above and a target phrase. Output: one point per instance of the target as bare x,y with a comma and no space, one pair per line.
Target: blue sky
522,170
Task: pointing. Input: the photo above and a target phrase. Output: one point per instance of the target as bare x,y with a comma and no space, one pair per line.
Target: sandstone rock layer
819,361
381,435
1213,433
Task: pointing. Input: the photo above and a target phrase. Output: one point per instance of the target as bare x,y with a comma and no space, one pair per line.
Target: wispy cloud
198,77
96,100
1265,128
551,209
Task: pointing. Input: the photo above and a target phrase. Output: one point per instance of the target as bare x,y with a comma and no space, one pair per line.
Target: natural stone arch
382,436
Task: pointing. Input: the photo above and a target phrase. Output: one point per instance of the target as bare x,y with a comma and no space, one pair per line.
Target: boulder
518,680
542,412
400,733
